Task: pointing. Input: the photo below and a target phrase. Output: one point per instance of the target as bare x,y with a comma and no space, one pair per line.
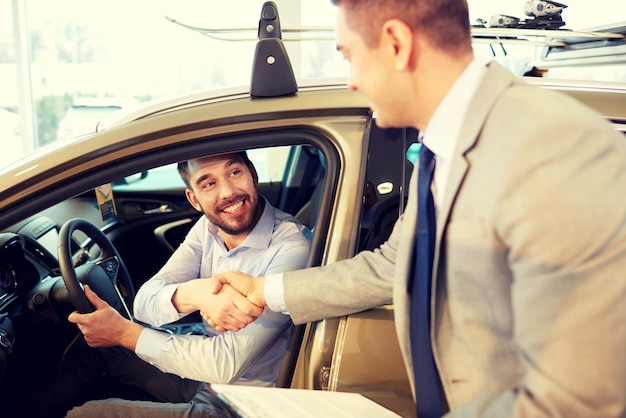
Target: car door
360,352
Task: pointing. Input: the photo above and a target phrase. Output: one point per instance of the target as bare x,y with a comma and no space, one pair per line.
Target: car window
269,163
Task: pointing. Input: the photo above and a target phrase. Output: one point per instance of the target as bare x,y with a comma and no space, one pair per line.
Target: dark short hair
183,167
444,22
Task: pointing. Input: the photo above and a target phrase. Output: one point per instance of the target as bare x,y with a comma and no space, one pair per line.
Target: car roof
132,130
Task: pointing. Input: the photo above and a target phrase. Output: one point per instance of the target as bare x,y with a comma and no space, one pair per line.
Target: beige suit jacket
529,284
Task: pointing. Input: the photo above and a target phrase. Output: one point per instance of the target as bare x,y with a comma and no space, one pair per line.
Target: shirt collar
442,132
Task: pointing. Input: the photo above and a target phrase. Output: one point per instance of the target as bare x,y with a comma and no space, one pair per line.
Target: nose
227,188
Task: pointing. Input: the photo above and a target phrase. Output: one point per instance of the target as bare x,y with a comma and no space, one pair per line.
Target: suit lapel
496,80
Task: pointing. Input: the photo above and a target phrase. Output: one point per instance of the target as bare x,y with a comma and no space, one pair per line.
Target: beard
242,223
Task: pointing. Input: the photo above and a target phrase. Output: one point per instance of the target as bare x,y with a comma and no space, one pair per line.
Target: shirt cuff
275,293
150,344
168,311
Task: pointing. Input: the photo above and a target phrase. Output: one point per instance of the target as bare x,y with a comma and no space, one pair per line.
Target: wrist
259,293
130,336
182,299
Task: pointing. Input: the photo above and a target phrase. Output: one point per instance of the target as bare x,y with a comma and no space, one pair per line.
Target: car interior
298,173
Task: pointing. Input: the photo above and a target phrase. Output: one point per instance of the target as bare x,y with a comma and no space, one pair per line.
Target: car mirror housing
272,73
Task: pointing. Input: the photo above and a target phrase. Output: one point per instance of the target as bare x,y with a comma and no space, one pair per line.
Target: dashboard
16,273
32,304
27,256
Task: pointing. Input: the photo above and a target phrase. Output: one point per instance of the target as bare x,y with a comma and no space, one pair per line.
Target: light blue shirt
440,136
251,356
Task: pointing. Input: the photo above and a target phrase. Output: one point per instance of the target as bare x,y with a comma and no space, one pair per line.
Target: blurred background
68,63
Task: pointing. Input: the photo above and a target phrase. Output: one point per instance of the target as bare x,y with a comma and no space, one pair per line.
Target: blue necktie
428,396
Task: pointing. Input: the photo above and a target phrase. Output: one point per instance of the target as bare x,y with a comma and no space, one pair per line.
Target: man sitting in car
240,230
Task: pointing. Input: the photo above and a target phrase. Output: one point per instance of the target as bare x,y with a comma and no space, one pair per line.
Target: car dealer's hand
249,286
105,327
221,305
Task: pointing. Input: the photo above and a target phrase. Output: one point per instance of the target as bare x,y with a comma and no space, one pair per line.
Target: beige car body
357,353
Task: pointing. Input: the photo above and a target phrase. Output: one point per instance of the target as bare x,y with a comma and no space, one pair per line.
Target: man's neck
434,78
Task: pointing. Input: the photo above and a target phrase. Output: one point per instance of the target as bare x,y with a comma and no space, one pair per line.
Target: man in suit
527,307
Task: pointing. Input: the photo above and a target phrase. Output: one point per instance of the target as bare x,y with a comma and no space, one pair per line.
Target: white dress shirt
440,136
443,130
251,356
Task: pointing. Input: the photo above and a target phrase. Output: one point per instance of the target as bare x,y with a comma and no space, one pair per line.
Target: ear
397,36
191,197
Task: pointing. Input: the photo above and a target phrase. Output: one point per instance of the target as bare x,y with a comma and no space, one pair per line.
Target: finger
244,310
74,317
235,279
81,320
217,286
94,299
217,327
228,323
249,286
249,311
222,278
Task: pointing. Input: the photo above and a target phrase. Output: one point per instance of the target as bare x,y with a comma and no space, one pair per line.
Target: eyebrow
226,164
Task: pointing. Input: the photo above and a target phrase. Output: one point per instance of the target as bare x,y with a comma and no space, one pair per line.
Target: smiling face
404,55
375,70
223,187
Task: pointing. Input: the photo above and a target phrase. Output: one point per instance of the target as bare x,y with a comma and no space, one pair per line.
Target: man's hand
249,286
242,285
105,327
221,305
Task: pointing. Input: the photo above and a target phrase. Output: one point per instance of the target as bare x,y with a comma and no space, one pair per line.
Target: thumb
249,286
94,299
222,278
234,278
217,286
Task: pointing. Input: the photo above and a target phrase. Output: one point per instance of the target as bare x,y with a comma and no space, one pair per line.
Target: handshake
228,302
238,300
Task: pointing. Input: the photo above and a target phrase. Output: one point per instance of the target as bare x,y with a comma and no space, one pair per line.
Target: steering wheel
106,275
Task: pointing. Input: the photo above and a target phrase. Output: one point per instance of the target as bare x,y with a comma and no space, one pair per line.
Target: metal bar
26,110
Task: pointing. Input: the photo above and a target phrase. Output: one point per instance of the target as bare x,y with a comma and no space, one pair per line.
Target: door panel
360,352
367,360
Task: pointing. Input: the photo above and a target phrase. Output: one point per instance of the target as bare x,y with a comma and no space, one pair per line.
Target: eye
235,172
208,185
